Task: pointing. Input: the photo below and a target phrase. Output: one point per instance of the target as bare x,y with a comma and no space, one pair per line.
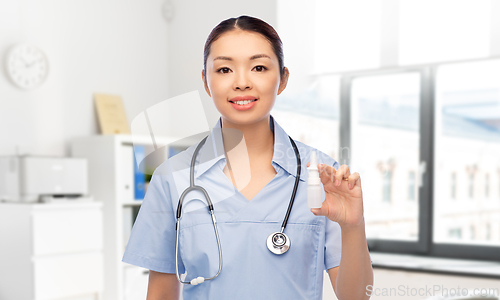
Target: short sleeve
326,159
333,244
152,241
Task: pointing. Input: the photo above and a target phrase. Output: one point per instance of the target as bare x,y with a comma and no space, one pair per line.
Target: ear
283,81
204,78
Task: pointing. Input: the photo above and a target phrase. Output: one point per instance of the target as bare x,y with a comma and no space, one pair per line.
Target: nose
242,82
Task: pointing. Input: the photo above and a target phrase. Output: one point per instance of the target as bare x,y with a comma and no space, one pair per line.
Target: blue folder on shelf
139,180
174,151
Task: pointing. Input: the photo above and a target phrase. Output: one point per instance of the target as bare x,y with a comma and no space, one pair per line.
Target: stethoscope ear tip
197,280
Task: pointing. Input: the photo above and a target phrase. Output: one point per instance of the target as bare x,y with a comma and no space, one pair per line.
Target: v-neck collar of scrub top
283,154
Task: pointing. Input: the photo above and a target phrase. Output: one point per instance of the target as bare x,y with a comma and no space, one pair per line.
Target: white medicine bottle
313,183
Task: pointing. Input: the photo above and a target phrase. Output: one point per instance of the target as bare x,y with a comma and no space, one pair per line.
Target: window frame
425,244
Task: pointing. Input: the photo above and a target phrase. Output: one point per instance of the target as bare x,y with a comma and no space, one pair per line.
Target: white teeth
243,102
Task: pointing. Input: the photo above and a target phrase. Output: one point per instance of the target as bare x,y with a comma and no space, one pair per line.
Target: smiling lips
243,102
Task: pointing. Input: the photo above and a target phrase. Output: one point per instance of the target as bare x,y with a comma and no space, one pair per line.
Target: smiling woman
243,65
249,183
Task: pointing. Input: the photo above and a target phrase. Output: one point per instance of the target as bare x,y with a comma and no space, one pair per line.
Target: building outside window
487,186
411,186
455,233
386,190
467,143
453,194
472,232
498,184
471,185
385,147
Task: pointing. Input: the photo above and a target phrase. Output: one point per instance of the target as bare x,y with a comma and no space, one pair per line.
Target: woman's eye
260,68
223,68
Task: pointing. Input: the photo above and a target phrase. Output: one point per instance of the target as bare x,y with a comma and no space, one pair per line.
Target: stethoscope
277,242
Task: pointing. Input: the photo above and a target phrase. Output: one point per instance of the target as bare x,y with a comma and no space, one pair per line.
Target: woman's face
243,63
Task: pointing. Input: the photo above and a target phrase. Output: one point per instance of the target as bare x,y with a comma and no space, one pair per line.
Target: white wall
115,47
191,24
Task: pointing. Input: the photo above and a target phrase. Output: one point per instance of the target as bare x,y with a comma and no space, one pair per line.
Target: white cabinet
111,181
51,251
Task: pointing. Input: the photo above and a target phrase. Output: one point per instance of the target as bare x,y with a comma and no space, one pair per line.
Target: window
385,146
411,186
467,137
443,121
455,233
472,231
453,185
487,186
387,188
311,115
471,186
440,120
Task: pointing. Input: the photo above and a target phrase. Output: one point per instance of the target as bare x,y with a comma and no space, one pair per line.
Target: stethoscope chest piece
278,243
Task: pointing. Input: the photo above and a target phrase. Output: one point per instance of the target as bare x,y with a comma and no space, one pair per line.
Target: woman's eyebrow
251,58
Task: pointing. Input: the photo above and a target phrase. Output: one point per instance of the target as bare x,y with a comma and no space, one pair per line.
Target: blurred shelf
132,203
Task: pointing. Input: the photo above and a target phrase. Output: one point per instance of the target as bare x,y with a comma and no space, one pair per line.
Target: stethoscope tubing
177,224
193,187
210,206
296,185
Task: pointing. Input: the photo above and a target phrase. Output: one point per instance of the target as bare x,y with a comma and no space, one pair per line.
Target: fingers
329,175
326,174
322,211
353,180
342,173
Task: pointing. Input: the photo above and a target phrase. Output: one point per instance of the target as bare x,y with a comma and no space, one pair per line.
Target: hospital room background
406,92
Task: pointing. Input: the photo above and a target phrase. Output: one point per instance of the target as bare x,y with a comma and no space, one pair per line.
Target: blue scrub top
250,270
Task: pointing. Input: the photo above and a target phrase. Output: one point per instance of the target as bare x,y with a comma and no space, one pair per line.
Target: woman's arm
344,204
355,273
163,286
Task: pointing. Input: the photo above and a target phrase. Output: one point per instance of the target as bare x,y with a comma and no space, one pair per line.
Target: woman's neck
259,138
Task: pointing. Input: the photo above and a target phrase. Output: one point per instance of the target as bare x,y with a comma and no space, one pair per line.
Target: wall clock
167,10
27,66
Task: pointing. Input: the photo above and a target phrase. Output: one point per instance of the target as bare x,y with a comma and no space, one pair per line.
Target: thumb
322,211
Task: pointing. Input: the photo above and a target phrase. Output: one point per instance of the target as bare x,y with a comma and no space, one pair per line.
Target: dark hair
246,23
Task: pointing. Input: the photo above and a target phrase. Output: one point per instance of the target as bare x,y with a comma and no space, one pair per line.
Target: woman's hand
343,196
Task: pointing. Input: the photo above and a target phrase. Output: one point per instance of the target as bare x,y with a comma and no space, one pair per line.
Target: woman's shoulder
323,158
